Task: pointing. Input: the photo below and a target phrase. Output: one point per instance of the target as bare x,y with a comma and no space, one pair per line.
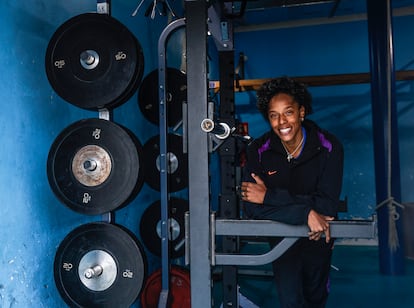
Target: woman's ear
302,112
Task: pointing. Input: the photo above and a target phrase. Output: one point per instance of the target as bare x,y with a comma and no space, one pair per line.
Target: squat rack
202,225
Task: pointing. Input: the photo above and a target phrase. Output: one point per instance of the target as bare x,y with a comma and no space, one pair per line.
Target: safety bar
291,233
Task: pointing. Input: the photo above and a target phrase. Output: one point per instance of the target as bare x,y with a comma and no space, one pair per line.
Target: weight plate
176,95
100,265
180,289
93,61
94,166
150,227
177,168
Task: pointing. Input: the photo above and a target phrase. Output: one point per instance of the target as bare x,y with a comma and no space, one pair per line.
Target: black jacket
311,181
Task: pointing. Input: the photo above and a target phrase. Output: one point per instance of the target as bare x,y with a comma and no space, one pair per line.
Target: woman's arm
278,204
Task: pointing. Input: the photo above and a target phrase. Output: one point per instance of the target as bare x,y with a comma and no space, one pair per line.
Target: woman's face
284,116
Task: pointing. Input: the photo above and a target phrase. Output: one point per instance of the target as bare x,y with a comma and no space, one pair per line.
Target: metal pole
387,164
162,43
198,171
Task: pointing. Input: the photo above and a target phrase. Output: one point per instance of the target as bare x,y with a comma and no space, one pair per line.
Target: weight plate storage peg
176,95
94,166
150,227
93,61
100,265
177,164
180,288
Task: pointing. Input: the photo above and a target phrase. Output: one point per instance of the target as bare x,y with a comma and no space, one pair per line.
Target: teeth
284,130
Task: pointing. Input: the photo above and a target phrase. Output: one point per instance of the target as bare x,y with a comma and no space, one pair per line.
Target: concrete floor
356,283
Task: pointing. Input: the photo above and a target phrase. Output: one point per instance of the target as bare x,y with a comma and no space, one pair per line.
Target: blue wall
32,220
346,109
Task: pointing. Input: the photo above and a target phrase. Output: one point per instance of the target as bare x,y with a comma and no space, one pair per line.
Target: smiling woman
285,118
300,188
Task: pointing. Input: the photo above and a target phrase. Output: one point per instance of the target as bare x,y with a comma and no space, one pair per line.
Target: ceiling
252,12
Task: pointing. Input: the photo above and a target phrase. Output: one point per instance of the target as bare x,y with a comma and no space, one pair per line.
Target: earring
302,119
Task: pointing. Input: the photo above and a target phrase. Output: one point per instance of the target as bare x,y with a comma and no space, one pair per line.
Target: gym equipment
93,62
150,227
177,168
179,289
94,166
291,233
164,159
99,265
176,95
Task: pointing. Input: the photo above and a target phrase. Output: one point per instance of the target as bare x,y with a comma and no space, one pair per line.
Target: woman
294,175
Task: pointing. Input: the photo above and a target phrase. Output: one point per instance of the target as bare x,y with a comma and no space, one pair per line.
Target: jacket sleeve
279,204
325,199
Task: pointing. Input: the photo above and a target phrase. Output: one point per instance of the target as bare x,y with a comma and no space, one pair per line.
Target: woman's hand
253,192
318,225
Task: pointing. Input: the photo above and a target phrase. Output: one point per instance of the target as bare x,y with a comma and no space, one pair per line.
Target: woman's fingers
315,236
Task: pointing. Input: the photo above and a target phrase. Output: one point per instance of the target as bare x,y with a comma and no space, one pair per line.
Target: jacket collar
312,145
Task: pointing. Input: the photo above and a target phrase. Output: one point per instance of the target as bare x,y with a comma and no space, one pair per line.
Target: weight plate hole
89,59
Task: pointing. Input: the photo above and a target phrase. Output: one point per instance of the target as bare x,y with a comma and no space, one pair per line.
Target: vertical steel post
163,115
222,33
198,171
387,164
229,205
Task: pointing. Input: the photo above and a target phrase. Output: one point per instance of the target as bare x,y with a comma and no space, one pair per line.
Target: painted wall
344,110
34,222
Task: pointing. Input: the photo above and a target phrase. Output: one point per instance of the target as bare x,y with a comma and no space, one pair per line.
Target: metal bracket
218,132
221,30
102,7
105,114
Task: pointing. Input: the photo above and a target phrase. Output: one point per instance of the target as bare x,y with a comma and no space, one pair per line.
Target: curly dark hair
286,85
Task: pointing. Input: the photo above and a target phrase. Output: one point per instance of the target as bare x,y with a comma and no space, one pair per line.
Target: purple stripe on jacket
325,142
263,148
